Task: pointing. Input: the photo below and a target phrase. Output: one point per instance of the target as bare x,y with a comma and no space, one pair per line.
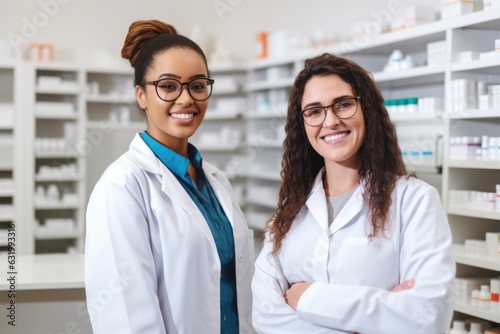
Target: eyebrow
175,76
335,100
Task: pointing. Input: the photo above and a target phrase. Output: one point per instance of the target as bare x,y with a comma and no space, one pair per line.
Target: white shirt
353,275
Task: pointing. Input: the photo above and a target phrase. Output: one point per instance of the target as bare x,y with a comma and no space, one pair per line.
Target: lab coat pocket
367,262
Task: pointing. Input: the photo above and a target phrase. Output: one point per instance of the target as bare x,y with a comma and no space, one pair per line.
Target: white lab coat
353,276
151,264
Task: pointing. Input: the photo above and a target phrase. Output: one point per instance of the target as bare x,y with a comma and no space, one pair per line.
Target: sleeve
270,313
120,276
426,255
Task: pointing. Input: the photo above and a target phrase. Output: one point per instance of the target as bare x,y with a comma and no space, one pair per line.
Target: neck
339,179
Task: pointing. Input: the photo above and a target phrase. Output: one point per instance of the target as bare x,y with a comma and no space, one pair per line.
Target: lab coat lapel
225,200
316,202
172,188
143,156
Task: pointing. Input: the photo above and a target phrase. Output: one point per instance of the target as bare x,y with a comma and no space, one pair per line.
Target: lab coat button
240,257
224,317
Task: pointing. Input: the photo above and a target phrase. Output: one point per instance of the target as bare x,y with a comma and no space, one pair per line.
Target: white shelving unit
11,143
55,162
221,136
113,117
268,87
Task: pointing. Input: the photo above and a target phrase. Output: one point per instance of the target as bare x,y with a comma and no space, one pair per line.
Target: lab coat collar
316,204
145,158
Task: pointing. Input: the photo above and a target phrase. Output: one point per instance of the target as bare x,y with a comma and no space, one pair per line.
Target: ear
141,96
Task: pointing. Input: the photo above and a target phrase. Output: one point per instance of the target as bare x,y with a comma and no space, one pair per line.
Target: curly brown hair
381,163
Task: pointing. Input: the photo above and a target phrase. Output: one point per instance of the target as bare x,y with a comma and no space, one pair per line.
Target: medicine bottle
484,297
458,327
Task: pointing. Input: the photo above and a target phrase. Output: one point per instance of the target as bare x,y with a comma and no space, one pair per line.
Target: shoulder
411,192
413,184
124,172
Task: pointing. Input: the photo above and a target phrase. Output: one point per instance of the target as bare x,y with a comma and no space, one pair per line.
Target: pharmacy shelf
279,83
108,126
473,164
472,114
110,98
268,144
479,262
217,147
57,116
47,272
273,114
417,117
56,155
461,211
264,175
6,192
56,206
55,234
58,90
488,66
58,177
476,312
6,126
212,115
411,77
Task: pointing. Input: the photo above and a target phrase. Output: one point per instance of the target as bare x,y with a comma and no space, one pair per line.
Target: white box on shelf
489,55
54,108
452,8
49,81
419,14
467,56
6,151
6,114
436,53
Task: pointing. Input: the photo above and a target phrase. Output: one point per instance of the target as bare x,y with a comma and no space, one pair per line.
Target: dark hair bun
141,31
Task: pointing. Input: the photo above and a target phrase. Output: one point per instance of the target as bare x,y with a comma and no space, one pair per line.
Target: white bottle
458,327
484,297
474,298
475,328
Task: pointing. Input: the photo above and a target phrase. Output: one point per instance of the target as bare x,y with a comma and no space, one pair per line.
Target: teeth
337,136
183,116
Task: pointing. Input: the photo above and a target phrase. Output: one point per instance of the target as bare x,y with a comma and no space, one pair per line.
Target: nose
331,120
184,98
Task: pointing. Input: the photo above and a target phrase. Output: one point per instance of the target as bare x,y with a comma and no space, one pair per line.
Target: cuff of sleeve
306,301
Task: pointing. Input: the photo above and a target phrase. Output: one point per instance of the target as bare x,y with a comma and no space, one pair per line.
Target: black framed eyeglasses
169,89
344,108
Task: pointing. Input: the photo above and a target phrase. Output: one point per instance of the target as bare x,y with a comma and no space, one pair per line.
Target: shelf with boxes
472,164
221,136
55,159
268,90
112,117
11,143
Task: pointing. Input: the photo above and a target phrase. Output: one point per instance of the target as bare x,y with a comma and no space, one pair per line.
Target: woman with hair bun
167,247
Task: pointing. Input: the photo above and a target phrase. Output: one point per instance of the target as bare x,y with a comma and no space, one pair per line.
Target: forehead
179,61
327,87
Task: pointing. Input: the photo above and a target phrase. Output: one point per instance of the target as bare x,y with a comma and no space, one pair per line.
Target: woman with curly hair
356,245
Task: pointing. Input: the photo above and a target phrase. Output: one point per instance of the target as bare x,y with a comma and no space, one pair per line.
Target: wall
80,28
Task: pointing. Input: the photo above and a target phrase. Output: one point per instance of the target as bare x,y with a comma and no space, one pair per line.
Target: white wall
79,28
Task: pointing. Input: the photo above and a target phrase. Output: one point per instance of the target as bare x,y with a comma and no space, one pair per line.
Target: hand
293,294
406,285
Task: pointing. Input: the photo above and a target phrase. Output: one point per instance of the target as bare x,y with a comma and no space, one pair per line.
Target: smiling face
172,123
336,140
